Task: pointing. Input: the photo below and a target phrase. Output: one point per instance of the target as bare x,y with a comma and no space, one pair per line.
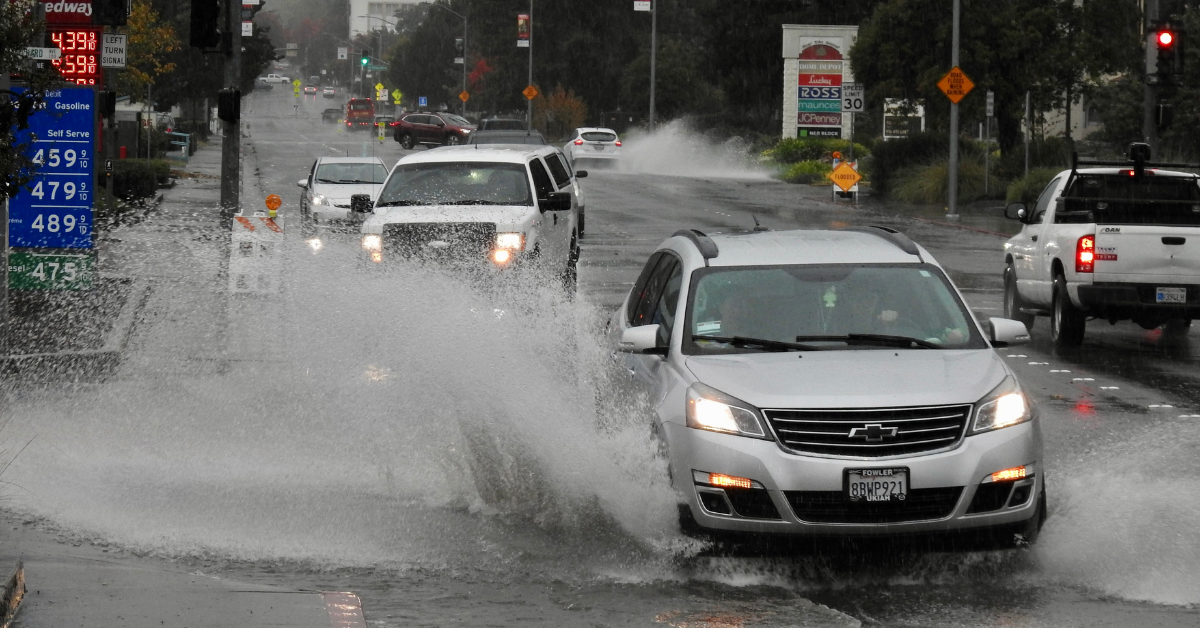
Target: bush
915,151
793,150
929,184
1051,152
137,178
1026,189
807,171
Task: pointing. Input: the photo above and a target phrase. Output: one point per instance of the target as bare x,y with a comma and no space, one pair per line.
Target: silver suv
830,383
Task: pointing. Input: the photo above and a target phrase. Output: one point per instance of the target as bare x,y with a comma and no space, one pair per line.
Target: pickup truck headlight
710,409
511,241
372,242
1005,406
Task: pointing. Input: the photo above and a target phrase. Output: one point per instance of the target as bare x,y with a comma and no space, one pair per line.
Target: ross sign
56,210
68,12
530,92
397,96
28,270
853,98
464,96
422,101
112,50
80,59
845,176
343,54
523,30
991,103
641,5
955,85
42,54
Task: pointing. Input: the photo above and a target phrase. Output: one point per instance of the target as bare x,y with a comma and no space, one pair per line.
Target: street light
464,45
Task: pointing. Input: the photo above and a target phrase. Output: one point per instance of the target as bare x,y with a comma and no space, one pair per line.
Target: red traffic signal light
1164,38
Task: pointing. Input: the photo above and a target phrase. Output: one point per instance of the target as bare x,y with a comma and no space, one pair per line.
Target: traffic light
108,104
1168,45
366,57
1163,115
458,47
206,15
229,104
110,12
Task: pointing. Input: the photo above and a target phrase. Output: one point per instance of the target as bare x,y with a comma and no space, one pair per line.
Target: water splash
674,149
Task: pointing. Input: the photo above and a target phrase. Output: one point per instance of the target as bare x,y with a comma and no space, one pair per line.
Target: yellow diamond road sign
296,83
463,96
845,176
530,92
397,96
955,85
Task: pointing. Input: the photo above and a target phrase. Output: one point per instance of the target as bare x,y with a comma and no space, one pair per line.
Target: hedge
138,178
808,171
799,149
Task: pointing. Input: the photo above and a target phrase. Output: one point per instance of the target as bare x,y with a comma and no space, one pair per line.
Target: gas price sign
80,60
55,210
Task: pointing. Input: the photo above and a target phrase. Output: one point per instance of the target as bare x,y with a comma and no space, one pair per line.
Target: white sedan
333,182
593,143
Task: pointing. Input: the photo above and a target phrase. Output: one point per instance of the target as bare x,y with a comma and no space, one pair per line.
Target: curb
14,593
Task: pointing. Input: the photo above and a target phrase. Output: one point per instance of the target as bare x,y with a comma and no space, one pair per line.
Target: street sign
641,5
43,54
397,96
376,68
853,97
955,85
28,270
422,101
56,210
112,52
293,50
247,29
464,96
991,103
343,54
845,176
530,92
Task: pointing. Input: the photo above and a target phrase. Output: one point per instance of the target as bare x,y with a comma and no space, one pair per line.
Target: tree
18,26
149,44
556,113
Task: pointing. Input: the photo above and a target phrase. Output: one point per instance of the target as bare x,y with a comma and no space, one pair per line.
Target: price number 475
50,271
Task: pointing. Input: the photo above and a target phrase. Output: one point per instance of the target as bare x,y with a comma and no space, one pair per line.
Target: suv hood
852,379
505,217
340,193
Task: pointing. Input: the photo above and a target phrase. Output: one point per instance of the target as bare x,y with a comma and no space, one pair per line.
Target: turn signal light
1085,254
731,481
1008,475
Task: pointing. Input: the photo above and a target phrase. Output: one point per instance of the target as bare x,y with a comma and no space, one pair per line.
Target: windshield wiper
472,201
882,340
327,181
357,181
768,345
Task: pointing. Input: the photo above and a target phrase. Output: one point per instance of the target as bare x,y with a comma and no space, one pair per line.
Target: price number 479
68,189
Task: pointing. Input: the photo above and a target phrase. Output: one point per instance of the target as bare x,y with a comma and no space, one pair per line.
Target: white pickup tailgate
1147,254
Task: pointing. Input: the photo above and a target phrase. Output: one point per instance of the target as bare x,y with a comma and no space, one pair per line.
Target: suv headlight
713,410
372,242
1005,406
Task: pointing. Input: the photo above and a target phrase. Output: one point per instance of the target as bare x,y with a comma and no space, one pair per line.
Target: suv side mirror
555,202
1016,211
302,183
1007,332
581,174
643,339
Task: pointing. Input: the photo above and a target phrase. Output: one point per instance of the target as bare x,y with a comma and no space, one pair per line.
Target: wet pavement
439,449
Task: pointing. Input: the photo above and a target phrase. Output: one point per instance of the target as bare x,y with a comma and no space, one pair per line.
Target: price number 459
56,157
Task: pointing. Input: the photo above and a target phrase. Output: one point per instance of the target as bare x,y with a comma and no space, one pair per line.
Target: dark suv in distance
431,129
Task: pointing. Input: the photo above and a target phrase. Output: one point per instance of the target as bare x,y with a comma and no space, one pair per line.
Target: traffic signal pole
952,204
231,130
1150,93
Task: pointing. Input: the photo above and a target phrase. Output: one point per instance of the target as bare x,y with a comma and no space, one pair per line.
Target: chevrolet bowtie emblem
874,432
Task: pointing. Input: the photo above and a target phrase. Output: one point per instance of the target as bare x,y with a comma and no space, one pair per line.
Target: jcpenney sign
69,12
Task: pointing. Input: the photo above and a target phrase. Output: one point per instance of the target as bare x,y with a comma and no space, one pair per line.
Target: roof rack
1139,160
900,240
704,244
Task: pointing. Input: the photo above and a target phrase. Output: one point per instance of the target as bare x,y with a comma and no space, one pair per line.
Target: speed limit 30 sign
852,98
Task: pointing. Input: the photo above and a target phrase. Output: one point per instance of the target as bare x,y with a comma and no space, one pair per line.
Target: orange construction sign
845,176
955,85
530,92
463,95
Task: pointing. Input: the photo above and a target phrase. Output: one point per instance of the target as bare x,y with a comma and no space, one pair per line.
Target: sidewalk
982,217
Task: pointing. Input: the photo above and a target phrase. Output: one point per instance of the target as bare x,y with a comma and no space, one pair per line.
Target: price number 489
54,223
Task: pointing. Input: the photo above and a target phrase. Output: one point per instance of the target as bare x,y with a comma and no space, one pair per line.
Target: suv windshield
825,307
457,183
351,173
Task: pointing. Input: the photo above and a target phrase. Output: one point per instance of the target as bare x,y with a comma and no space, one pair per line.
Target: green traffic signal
366,56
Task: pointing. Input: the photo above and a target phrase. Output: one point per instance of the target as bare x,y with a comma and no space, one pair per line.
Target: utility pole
952,208
1028,130
231,131
1150,91
529,110
653,55
4,84
464,54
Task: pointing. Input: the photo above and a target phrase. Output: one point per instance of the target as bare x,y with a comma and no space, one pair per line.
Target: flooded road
459,454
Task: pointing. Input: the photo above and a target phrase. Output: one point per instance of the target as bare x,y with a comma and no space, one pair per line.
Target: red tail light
579,142
618,142
1085,254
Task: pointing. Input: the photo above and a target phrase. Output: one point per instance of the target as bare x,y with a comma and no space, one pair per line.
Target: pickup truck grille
869,432
439,240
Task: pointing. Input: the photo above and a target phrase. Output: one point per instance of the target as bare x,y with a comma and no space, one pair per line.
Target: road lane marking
1039,363
1082,379
1110,388
1160,405
1060,371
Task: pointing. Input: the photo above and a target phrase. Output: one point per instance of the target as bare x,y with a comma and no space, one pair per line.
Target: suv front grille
921,504
440,240
869,432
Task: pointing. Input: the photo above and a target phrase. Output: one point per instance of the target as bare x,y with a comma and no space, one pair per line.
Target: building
367,16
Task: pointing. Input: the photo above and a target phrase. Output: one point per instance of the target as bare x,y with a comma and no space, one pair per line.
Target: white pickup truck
1112,243
273,78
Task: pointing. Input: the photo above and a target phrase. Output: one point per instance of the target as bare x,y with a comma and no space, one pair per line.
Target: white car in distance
593,144
830,384
332,185
494,207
